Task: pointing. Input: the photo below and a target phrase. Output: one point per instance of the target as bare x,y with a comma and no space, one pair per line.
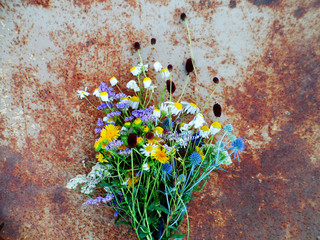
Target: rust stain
43,3
232,4
300,12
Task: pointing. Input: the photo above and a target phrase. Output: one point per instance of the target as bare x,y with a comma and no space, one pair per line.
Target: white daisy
165,73
133,85
96,92
104,96
156,112
198,120
164,108
146,167
176,108
135,71
152,87
83,94
190,108
215,128
148,149
157,66
147,82
204,131
134,102
140,65
113,81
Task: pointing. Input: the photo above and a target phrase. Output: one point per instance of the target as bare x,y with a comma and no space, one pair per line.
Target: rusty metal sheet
267,56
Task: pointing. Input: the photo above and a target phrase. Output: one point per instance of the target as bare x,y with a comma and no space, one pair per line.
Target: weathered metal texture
266,54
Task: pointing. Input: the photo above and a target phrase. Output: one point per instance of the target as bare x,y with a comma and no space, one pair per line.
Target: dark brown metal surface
267,56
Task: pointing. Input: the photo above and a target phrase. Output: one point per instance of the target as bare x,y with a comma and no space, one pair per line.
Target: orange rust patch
43,3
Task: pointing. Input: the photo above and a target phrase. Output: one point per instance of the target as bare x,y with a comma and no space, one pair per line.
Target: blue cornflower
228,128
117,213
238,146
100,123
166,123
123,105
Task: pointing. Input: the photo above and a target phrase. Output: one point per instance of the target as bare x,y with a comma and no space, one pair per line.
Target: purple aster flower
103,87
108,198
114,144
113,114
127,151
104,105
123,105
119,96
97,130
129,119
100,123
99,199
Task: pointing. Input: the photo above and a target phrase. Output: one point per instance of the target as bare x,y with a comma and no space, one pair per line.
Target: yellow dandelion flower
137,121
101,158
200,152
158,130
146,129
139,140
110,132
160,155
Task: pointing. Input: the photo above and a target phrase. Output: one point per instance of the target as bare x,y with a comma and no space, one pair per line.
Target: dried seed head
171,89
217,110
169,67
153,41
132,140
189,65
183,16
136,45
215,80
149,135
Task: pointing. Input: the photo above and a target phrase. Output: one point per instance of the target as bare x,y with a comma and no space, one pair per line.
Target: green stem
184,88
209,98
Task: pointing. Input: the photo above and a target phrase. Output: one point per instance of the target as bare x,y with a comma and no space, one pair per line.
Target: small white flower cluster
90,181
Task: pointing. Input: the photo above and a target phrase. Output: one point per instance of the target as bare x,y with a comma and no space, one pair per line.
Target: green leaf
177,236
199,189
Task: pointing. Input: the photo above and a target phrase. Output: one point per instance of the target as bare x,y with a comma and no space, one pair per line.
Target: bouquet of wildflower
149,158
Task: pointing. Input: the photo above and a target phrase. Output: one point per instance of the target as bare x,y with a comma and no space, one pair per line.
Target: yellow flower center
193,105
139,140
158,130
205,128
146,129
132,69
103,94
149,148
137,121
134,99
146,79
165,69
178,106
216,125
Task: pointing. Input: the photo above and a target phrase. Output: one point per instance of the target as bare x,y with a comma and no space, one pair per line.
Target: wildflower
113,114
126,151
195,159
152,87
115,144
75,182
147,82
125,104
171,87
157,66
153,41
109,120
149,135
105,105
166,170
97,130
142,67
215,80
134,102
189,66
136,45
160,155
169,67
190,108
127,124
183,16
104,96
133,85
139,140
99,199
238,146
109,133
148,149
176,108
198,120
198,150
156,113
217,110
100,123
158,131
215,128
120,96
146,167
83,94
96,92
204,131
137,121
113,81
101,158
146,129
128,119
132,140
165,73
228,128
